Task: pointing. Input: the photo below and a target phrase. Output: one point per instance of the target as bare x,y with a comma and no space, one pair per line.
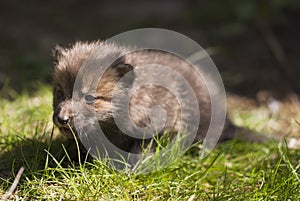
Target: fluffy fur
67,66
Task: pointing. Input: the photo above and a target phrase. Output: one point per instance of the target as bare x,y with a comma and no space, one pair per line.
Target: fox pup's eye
89,99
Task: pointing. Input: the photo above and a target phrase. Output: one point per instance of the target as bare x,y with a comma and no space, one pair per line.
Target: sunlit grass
233,171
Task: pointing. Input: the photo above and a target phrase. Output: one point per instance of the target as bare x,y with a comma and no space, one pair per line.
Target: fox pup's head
68,63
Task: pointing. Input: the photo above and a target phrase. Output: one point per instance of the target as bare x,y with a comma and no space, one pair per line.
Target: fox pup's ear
123,69
57,53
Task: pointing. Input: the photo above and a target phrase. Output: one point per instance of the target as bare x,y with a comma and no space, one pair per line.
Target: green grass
233,171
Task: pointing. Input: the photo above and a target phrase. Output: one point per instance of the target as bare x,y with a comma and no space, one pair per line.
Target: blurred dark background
256,42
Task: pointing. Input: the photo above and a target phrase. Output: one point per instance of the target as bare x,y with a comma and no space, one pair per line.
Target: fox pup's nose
63,120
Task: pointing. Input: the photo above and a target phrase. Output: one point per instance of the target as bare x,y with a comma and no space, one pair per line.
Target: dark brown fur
66,69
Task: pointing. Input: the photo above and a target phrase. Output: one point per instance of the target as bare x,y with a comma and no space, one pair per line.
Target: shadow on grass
35,155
